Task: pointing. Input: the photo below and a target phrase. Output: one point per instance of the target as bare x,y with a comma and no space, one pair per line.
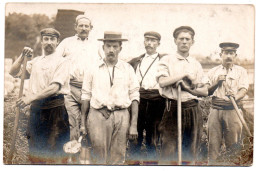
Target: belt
170,103
221,104
49,102
107,112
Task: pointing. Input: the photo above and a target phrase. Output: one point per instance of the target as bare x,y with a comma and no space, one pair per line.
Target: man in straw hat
109,89
184,70
49,82
78,49
223,121
151,105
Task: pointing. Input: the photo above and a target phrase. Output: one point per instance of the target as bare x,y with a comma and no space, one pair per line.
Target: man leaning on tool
107,93
223,121
78,50
184,70
49,82
151,105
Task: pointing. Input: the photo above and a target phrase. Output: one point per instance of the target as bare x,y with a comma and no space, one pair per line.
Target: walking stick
240,116
17,113
179,127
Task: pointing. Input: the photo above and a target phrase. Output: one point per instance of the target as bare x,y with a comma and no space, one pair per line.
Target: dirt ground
243,157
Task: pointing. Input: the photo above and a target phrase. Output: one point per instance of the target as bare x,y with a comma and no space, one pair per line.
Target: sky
213,24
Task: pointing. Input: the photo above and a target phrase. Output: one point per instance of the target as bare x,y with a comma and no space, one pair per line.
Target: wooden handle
179,127
17,113
240,116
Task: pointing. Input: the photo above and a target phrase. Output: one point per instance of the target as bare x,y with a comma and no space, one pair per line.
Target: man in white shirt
151,103
78,50
108,91
48,128
223,122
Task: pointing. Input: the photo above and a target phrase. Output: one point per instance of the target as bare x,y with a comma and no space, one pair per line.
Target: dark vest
135,61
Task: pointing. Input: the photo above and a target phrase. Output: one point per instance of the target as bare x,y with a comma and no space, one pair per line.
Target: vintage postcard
129,84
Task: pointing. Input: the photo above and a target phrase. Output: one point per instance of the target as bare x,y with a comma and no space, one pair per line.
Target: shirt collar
118,64
231,68
183,58
78,38
151,56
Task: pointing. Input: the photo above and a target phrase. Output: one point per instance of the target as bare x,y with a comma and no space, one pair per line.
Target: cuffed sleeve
162,68
134,85
87,85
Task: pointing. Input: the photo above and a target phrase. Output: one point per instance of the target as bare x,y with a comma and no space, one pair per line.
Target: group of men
114,102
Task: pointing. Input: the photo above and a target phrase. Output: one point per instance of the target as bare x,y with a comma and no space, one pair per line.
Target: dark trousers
48,132
149,116
191,131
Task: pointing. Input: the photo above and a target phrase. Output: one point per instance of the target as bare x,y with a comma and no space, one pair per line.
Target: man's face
228,57
83,26
49,44
151,45
111,50
184,41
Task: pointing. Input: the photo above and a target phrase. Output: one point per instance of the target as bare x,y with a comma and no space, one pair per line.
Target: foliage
22,30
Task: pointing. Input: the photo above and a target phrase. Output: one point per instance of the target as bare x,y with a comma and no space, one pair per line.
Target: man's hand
183,85
220,79
24,101
27,51
133,133
83,130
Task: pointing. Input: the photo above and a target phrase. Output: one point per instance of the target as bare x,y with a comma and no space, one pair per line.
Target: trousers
73,106
48,131
191,131
222,124
108,136
149,117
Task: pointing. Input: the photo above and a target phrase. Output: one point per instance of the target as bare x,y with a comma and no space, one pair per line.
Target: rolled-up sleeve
162,68
87,85
133,85
243,80
202,77
61,74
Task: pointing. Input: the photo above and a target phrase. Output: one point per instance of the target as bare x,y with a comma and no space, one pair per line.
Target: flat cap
152,34
228,46
81,16
177,31
112,36
50,32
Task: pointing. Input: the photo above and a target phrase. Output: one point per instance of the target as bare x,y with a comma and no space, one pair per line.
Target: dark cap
152,34
229,46
50,32
112,36
177,31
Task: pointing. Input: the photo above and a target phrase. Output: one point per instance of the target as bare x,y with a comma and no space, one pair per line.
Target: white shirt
174,65
45,70
81,56
98,89
236,79
149,80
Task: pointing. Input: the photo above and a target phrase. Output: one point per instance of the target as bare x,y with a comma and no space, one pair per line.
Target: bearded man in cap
49,82
78,49
109,89
223,121
184,70
151,105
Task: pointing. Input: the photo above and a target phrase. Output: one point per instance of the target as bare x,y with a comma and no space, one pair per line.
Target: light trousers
222,124
108,136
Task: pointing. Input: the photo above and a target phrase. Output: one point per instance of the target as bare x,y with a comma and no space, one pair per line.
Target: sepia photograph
129,84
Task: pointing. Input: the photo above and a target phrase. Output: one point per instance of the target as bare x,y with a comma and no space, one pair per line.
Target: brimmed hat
112,36
181,28
50,32
152,34
229,46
